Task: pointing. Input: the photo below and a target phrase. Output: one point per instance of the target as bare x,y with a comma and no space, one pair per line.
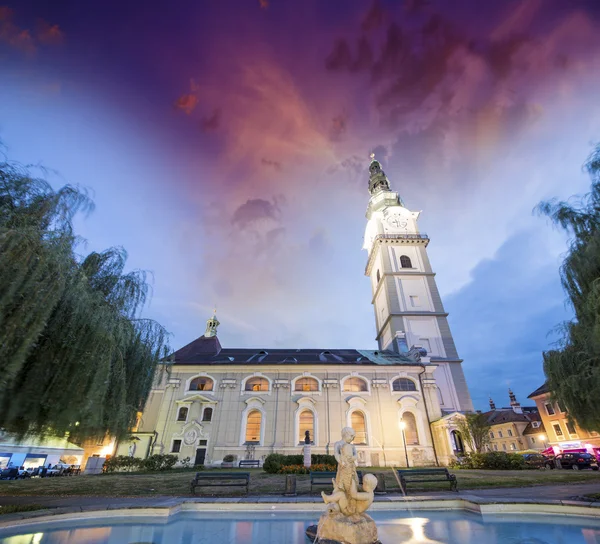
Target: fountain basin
435,521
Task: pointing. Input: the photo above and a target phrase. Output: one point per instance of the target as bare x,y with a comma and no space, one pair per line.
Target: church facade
403,399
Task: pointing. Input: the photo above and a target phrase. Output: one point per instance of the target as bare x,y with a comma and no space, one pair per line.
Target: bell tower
406,300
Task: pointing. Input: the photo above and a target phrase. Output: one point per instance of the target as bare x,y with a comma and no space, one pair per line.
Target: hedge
154,463
275,461
493,460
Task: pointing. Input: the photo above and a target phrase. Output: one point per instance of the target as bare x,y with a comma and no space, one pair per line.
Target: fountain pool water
287,527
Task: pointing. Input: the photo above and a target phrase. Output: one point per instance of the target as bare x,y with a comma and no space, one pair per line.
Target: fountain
345,521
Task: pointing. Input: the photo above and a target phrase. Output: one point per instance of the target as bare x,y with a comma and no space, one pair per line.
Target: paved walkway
543,493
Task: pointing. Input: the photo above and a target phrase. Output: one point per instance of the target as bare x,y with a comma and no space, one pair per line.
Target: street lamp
402,426
543,439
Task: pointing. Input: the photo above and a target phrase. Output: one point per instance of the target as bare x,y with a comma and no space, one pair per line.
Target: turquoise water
426,527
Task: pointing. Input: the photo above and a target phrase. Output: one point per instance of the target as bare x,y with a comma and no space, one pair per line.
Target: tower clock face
396,221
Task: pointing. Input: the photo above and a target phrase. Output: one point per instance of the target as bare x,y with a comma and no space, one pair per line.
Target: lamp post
543,439
402,426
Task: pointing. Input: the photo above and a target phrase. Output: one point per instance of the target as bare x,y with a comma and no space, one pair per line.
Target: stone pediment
196,398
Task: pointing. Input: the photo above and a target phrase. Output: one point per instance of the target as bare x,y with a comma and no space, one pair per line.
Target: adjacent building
561,433
402,399
515,428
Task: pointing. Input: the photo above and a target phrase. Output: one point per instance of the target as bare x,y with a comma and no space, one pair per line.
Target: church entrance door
200,455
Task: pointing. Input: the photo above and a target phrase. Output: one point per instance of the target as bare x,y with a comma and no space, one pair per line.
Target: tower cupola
492,404
211,326
377,179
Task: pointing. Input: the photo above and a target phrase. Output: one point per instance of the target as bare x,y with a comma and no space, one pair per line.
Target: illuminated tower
407,303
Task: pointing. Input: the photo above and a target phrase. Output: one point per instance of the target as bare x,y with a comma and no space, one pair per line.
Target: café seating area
21,473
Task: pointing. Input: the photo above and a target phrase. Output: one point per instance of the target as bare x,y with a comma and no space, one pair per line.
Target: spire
377,178
492,404
514,404
211,325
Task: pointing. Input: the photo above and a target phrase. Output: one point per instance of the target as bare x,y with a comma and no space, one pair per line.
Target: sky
226,143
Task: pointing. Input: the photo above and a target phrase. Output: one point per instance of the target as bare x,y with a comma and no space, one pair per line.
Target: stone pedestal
335,528
306,451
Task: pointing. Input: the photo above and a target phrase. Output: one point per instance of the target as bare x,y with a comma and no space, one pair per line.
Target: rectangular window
414,301
203,443
495,447
509,432
513,446
504,447
492,435
549,409
499,434
571,428
558,408
557,429
532,440
176,446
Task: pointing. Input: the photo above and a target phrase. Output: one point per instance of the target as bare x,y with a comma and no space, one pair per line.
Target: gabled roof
498,417
539,391
208,351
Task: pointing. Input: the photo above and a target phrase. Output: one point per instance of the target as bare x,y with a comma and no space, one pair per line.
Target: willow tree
573,370
75,355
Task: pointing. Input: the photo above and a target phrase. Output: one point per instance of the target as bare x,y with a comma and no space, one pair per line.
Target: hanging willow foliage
573,370
75,356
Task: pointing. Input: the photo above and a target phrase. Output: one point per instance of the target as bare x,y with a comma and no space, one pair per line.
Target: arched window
306,423
405,262
257,384
306,384
403,384
201,384
355,385
207,414
378,276
410,430
182,414
357,422
253,424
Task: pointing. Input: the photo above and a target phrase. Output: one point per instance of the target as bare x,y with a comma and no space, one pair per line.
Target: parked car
574,461
535,460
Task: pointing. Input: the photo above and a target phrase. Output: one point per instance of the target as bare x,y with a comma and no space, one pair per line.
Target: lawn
177,482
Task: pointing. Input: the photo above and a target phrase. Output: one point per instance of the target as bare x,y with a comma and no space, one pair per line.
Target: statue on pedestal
345,520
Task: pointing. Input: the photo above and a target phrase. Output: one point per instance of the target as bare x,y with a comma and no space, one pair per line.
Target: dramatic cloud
23,39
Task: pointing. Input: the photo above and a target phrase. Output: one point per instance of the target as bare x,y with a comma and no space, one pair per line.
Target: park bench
324,479
220,479
249,463
426,475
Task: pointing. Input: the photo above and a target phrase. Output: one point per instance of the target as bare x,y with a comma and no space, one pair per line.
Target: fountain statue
345,520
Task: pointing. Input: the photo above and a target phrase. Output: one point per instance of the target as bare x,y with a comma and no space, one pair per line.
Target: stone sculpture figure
345,520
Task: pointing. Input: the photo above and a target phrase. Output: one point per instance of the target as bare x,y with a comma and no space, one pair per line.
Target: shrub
273,463
228,458
318,459
122,463
493,460
159,462
322,467
293,469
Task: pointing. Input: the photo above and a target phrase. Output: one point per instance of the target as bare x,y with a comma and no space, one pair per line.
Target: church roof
208,351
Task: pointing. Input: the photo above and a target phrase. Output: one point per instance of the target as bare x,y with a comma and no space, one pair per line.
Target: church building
402,399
